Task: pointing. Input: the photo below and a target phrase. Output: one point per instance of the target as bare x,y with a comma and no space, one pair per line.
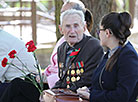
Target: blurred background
38,20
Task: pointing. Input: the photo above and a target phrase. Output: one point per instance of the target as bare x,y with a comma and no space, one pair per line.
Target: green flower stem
34,83
32,80
17,68
37,66
22,63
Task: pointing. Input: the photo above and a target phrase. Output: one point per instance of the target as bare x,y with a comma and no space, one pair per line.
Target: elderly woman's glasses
98,31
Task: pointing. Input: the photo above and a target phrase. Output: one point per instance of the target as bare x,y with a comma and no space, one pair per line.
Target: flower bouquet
30,48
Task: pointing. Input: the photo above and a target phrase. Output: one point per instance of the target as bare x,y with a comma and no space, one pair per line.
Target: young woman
116,78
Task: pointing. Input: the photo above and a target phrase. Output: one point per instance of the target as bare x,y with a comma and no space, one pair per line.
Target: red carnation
30,46
4,62
12,54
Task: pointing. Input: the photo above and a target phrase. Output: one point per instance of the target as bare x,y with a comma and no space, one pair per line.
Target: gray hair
71,12
75,1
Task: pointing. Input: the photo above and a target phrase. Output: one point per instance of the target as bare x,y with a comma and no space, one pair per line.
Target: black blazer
119,85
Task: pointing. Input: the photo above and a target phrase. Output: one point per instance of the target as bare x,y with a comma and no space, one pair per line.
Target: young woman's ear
107,33
60,29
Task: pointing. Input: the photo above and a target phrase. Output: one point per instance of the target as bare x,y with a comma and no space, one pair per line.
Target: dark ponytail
119,23
125,20
113,59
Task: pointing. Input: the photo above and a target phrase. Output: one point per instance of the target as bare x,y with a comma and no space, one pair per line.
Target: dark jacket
119,85
20,91
79,70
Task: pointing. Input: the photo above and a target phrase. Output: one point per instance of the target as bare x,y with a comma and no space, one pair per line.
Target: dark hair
89,19
119,24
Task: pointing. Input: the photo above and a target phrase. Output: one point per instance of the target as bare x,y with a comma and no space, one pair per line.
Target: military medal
77,65
61,65
74,53
60,73
82,70
73,66
73,79
64,72
68,86
69,67
67,78
68,72
78,71
60,70
68,82
72,72
82,64
78,78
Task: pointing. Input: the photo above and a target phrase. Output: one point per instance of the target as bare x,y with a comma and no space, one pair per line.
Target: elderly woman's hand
84,92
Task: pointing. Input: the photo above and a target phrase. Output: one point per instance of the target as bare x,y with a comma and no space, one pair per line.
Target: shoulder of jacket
62,46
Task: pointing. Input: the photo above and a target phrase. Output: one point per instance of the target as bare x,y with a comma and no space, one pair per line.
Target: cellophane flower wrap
30,48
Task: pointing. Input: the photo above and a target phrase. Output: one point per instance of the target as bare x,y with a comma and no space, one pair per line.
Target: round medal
78,71
73,79
68,86
67,78
68,72
82,70
72,72
78,78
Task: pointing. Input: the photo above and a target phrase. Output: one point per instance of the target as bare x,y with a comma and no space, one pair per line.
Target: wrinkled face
72,28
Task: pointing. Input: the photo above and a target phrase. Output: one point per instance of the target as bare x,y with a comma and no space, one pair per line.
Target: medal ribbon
74,53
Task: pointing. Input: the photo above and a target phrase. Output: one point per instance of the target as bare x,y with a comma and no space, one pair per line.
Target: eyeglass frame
98,31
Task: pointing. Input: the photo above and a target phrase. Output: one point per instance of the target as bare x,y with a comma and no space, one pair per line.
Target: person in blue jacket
116,78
